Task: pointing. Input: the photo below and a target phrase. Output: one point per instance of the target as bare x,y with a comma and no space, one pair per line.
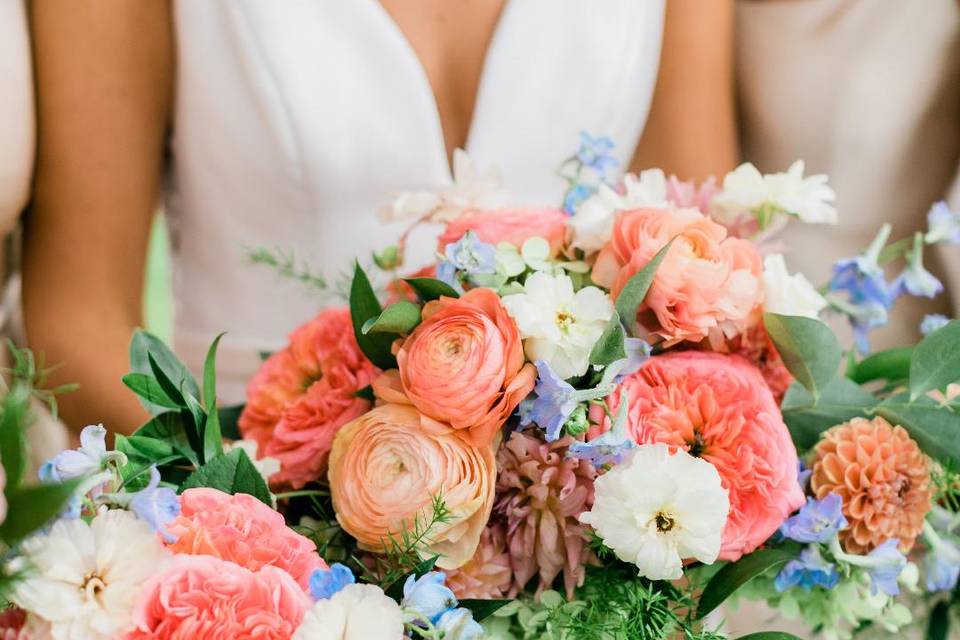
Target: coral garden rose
386,471
205,597
717,407
303,394
243,530
462,367
513,226
708,283
883,478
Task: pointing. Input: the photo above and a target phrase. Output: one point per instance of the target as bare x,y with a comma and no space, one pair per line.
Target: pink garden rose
303,394
462,367
513,226
205,598
708,283
717,407
386,469
243,530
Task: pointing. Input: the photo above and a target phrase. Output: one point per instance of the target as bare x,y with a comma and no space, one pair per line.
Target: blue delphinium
468,255
803,474
887,567
324,583
915,279
807,571
555,399
942,566
817,521
90,458
932,322
612,446
575,196
595,153
158,506
943,225
458,624
428,596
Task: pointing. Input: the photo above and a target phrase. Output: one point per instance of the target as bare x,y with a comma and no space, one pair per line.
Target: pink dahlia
243,530
12,622
540,494
717,407
488,575
208,598
302,395
707,285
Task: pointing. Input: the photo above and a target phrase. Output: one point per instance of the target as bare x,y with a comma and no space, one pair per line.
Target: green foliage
936,360
364,306
212,438
400,317
934,427
736,574
939,626
610,347
633,293
839,401
287,265
31,507
231,473
146,347
28,370
430,288
892,365
769,635
808,347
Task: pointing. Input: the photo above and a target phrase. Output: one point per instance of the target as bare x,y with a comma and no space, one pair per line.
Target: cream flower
746,191
592,223
790,295
558,325
83,579
657,509
356,612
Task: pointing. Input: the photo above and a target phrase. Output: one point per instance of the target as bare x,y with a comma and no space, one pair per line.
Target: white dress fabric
297,121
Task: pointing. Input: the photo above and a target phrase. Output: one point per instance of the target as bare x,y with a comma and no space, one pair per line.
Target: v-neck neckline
413,59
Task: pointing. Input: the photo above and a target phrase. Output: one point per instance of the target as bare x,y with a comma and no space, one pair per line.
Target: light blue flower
943,224
595,153
576,195
89,458
888,564
638,352
428,596
942,566
158,506
932,322
468,255
808,571
803,474
612,446
324,583
458,624
915,279
817,521
47,473
556,399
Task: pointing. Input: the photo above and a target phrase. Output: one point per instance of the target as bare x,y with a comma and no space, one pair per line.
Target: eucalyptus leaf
807,418
363,306
212,438
935,428
936,360
890,364
430,288
610,347
808,348
400,317
736,574
634,292
232,473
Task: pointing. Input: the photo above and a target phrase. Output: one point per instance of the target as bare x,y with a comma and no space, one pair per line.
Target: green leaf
840,401
229,421
936,360
736,574
936,429
939,626
170,427
633,293
145,450
168,386
145,344
400,317
769,635
212,438
482,609
13,433
30,508
430,288
891,364
231,473
363,306
610,347
808,347
149,389
395,590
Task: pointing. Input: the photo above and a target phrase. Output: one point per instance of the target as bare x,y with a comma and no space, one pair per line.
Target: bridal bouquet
601,420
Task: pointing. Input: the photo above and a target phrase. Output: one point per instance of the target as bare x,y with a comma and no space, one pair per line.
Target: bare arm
104,82
691,130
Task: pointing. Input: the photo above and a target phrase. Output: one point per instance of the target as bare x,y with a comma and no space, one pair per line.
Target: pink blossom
513,226
687,195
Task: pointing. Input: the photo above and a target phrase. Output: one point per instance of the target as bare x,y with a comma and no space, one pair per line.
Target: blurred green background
158,293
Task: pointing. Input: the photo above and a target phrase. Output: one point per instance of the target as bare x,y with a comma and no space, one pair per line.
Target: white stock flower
656,509
82,580
471,188
356,612
790,295
592,223
746,190
558,325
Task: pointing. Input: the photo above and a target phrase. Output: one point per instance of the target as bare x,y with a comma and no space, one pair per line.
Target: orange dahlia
883,478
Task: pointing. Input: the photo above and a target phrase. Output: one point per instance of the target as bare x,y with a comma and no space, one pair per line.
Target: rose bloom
708,283
205,597
462,367
717,407
513,226
386,470
303,394
243,530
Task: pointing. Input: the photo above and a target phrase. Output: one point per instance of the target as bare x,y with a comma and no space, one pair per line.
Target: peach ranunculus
707,283
208,598
303,394
717,407
513,226
386,471
462,367
243,530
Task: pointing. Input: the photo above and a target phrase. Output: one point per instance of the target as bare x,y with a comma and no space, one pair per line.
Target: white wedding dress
297,121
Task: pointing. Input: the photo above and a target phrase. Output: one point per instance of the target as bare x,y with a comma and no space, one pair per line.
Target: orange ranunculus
463,367
385,471
513,226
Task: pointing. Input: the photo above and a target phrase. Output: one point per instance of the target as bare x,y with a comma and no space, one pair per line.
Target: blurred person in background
288,125
867,92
